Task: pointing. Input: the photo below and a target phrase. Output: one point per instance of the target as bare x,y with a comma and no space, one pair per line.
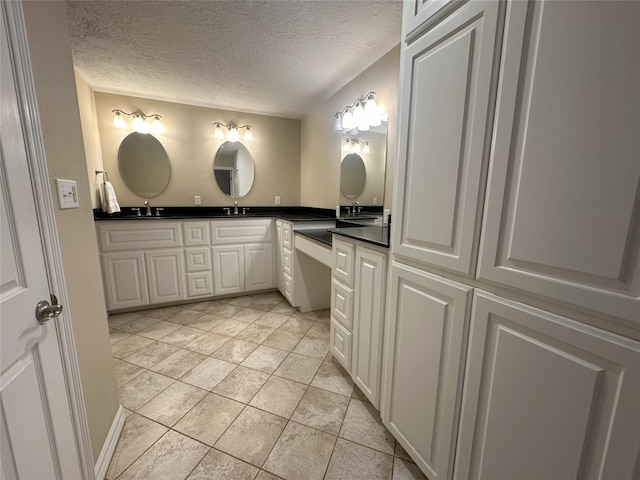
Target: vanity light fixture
233,134
353,145
139,121
362,115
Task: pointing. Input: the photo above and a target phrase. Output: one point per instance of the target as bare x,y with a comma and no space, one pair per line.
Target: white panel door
416,12
228,269
368,321
446,84
258,266
562,216
546,397
425,344
125,280
165,275
36,434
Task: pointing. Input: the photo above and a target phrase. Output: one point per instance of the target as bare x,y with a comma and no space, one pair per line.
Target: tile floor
242,388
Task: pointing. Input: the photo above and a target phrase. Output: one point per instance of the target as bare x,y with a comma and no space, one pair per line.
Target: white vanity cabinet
125,279
358,287
165,275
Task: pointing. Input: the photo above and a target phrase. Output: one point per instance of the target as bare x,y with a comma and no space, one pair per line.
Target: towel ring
103,172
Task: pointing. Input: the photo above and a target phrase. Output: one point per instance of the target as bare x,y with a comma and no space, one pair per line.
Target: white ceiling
274,57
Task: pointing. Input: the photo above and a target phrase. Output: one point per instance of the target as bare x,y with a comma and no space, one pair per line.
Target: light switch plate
67,193
197,200
277,199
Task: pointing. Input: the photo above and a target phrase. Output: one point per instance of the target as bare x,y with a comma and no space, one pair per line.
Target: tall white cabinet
513,323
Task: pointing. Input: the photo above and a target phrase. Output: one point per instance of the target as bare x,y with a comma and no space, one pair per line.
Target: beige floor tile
255,333
117,335
153,353
279,396
265,359
178,363
220,466
242,384
209,419
319,330
297,325
137,324
159,330
401,452
162,313
234,351
284,308
249,315
125,371
209,373
312,347
207,343
267,476
272,320
202,307
332,377
283,340
185,317
129,346
351,461
265,303
252,435
298,368
227,310
182,336
244,300
172,457
138,434
322,410
207,322
116,319
300,453
172,404
141,389
313,315
230,327
362,424
403,470
358,394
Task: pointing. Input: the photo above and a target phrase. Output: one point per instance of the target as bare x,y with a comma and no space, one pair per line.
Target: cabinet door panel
371,272
344,254
165,274
195,234
241,230
124,280
447,83
416,12
342,304
546,397
115,236
258,267
563,200
197,259
340,344
426,331
199,284
228,269
279,260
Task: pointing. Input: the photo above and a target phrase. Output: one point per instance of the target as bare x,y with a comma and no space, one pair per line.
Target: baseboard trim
109,446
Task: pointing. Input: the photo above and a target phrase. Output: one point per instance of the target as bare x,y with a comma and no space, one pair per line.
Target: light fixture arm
140,114
355,104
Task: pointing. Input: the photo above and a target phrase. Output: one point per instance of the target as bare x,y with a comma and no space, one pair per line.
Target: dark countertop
373,234
322,235
292,214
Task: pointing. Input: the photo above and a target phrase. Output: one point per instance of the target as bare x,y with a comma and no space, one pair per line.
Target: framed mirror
144,165
233,169
363,166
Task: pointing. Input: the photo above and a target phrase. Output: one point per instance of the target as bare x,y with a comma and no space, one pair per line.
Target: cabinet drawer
199,284
138,235
241,231
287,235
287,261
341,344
342,304
197,259
195,234
288,287
343,261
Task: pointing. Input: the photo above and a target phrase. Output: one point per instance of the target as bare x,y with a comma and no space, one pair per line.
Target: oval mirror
234,170
353,176
144,165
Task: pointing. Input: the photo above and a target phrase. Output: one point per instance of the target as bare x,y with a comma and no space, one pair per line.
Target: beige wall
50,50
189,143
320,146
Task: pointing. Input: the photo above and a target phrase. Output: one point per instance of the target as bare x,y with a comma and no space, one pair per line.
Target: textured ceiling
275,57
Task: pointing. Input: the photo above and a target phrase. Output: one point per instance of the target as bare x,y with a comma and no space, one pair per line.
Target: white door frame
19,51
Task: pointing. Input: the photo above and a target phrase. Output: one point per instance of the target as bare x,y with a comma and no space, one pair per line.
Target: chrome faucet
235,208
146,204
356,208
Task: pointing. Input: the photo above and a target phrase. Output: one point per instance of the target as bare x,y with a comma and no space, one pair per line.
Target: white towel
109,200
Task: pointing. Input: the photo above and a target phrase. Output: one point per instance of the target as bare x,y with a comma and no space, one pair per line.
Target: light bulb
218,133
337,124
233,134
138,124
384,116
248,136
358,115
363,126
119,121
372,113
346,146
366,148
156,125
347,120
356,147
